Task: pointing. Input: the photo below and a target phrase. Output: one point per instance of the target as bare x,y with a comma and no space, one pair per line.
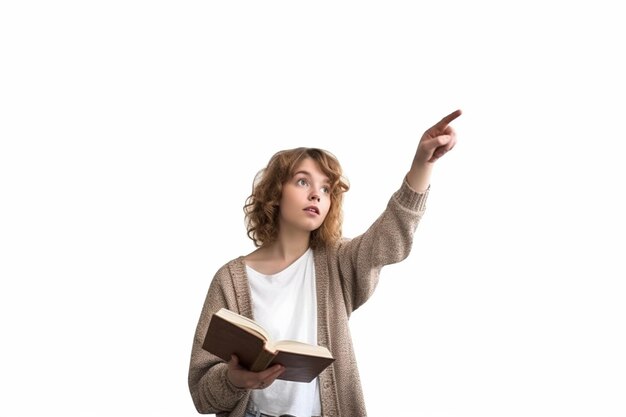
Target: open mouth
312,209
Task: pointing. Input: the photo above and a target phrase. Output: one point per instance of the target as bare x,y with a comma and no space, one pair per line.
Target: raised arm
435,142
389,239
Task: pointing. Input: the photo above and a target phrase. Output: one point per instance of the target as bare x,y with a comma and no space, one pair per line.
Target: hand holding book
232,334
244,379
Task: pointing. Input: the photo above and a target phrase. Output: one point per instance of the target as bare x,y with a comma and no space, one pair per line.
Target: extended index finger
448,119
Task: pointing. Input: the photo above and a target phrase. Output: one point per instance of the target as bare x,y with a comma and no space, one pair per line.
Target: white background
130,133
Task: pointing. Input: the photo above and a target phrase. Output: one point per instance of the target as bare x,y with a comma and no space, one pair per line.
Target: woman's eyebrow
308,174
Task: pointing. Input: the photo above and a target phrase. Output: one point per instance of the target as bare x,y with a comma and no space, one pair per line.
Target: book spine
261,362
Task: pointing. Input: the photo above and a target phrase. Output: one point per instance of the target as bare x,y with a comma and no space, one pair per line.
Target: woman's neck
276,256
288,248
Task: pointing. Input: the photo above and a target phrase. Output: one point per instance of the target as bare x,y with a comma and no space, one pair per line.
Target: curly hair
262,206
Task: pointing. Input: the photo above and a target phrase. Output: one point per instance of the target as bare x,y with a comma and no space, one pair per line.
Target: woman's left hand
436,141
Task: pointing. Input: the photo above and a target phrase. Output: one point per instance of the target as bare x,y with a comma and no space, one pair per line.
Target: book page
299,347
243,322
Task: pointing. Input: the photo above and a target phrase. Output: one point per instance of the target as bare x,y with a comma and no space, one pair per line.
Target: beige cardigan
346,274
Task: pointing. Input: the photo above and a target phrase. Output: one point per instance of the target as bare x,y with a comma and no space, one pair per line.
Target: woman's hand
244,379
435,143
437,140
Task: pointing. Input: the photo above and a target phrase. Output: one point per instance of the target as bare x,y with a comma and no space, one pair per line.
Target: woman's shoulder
256,255
234,266
330,249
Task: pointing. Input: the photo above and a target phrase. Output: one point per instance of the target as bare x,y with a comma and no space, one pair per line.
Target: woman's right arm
210,388
215,385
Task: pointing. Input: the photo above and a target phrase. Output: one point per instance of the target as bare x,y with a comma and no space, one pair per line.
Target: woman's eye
325,190
302,181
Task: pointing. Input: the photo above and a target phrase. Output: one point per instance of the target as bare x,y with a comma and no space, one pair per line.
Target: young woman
305,280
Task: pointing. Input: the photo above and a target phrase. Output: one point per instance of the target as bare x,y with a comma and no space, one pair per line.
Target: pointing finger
447,120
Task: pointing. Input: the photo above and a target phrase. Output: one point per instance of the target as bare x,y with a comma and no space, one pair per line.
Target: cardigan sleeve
388,240
210,389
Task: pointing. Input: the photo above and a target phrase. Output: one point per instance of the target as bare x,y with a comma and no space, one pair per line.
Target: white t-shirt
285,304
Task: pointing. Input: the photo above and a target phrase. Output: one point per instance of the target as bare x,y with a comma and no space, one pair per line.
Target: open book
232,334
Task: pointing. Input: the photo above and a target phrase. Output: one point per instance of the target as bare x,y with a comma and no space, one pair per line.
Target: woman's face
305,199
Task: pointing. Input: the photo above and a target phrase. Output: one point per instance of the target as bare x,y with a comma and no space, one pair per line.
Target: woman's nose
314,196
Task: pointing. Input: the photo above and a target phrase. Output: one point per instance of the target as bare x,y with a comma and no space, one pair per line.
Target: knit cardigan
346,275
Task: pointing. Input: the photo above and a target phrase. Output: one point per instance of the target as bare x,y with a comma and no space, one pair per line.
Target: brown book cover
230,333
